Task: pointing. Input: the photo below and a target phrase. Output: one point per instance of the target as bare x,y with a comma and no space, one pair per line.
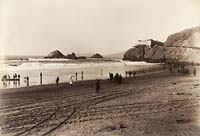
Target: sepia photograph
99,68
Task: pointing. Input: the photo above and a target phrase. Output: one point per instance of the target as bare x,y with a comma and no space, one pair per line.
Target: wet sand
156,104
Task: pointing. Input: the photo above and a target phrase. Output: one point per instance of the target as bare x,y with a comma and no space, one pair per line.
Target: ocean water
64,69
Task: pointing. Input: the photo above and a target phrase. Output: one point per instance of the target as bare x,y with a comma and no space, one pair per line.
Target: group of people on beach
116,78
182,69
8,77
130,73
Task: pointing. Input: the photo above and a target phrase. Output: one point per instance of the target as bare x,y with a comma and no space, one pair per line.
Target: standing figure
81,75
194,72
98,86
27,80
76,76
18,76
71,80
120,79
130,73
126,73
57,80
40,77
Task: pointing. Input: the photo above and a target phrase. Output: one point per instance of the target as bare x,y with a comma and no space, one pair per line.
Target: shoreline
80,82
138,72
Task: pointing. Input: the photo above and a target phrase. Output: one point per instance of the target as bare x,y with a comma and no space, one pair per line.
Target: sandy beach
154,104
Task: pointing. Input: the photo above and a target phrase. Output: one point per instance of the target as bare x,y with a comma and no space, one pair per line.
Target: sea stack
71,56
97,55
55,54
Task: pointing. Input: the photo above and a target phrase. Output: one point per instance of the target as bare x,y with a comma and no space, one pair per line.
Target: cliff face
183,46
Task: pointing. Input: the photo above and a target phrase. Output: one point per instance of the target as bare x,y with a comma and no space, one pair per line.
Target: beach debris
111,128
180,93
182,121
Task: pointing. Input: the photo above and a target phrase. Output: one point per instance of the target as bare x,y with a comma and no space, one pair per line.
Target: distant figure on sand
111,76
18,76
40,77
120,79
194,72
71,80
98,86
130,73
81,75
57,80
76,76
27,80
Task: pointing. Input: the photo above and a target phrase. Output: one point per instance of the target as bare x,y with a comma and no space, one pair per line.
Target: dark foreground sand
158,104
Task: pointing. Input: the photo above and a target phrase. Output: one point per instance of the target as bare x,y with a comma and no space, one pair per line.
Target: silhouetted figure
116,77
57,80
126,73
18,76
111,76
194,72
120,79
76,76
15,76
129,73
81,75
98,86
27,80
40,77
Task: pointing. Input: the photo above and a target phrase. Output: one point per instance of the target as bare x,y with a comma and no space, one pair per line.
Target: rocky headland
183,46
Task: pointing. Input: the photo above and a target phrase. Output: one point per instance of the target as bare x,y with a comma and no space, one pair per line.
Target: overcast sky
37,27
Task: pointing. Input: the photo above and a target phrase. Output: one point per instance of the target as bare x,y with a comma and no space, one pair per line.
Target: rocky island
57,54
97,55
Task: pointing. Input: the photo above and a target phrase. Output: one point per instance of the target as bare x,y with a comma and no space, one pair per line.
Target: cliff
183,46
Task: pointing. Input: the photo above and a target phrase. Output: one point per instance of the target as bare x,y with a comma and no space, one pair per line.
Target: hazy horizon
35,27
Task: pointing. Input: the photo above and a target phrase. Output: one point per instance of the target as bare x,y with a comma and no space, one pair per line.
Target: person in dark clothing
81,75
116,77
130,73
194,72
18,76
98,86
126,73
134,73
27,80
76,76
40,77
120,79
57,80
111,76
